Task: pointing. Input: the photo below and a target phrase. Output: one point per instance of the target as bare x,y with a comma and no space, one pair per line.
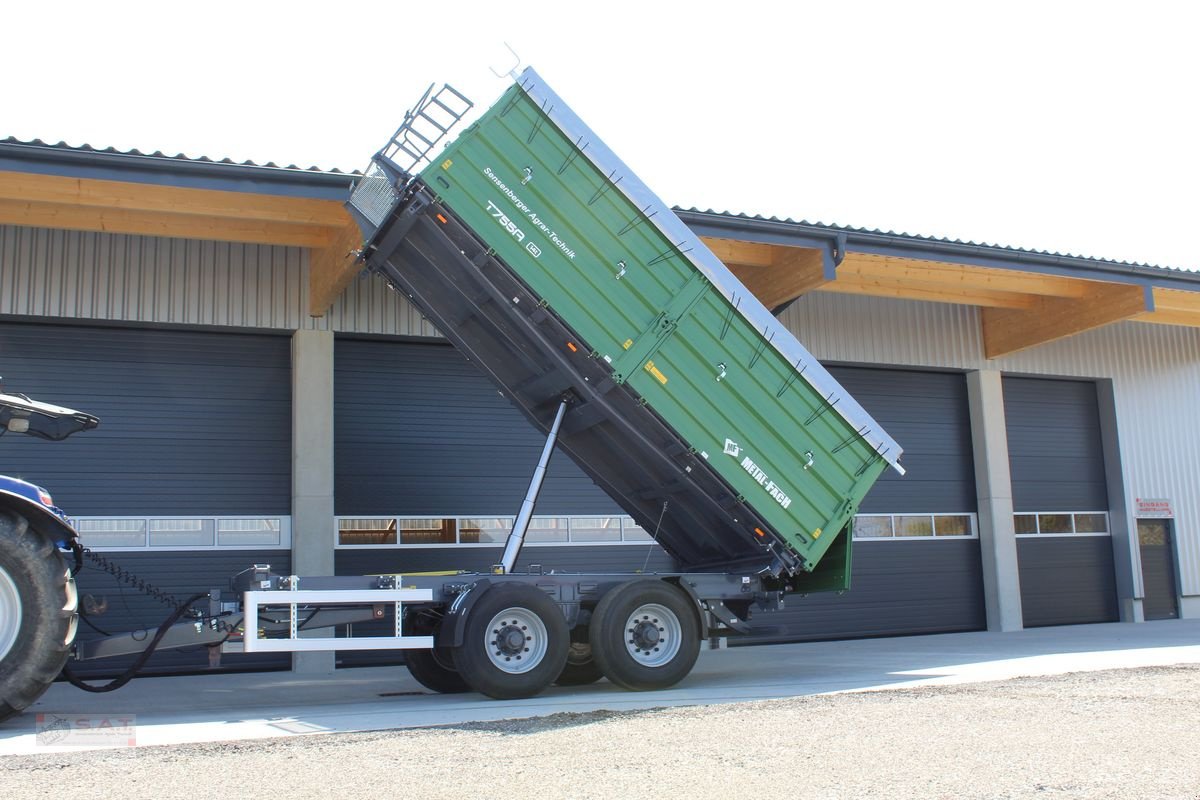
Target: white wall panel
368,306
99,276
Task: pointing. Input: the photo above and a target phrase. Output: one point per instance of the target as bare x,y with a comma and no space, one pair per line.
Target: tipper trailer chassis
595,310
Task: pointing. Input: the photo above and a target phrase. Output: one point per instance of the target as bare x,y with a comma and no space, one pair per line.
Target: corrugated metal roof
158,154
137,166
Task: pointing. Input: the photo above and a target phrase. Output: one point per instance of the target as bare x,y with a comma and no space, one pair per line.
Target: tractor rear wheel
37,614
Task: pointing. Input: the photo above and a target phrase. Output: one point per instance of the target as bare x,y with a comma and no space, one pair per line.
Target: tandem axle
652,625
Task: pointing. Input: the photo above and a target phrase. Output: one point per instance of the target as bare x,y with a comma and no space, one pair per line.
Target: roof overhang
47,186
1025,298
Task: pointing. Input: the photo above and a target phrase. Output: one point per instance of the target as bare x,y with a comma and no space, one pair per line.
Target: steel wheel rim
516,640
10,614
643,624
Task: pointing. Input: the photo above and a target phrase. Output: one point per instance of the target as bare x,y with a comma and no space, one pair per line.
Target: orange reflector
572,347
442,219
760,533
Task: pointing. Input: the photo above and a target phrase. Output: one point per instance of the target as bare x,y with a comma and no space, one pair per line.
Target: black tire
515,641
581,667
38,604
434,669
645,635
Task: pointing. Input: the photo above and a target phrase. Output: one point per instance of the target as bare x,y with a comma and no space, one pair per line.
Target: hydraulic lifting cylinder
512,548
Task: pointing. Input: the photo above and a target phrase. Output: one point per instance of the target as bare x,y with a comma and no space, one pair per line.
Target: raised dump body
542,257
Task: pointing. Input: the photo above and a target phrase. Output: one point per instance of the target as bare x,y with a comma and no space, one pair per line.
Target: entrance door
1158,569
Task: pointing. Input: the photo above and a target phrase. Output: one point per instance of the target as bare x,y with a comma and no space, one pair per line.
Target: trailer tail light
759,533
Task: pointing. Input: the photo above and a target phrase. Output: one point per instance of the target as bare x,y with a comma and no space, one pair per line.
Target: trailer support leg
512,548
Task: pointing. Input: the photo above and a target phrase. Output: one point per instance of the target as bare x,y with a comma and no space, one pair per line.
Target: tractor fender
31,502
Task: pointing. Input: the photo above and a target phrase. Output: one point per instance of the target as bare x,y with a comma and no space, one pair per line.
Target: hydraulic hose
136,667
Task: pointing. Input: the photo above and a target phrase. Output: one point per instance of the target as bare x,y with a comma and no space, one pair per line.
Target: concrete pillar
313,527
1126,556
993,487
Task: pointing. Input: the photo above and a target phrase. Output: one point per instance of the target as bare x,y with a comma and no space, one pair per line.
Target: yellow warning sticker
447,163
628,343
817,533
653,370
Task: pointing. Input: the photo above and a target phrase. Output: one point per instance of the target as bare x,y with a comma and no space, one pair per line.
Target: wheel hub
516,640
646,634
510,640
10,613
653,635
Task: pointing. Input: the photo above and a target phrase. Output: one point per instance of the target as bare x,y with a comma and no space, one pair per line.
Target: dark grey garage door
419,430
903,585
192,424
1056,457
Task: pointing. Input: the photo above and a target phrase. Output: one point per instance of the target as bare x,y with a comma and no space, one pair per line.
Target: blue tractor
38,603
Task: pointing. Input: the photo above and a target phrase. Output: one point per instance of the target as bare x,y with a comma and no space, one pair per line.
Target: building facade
261,402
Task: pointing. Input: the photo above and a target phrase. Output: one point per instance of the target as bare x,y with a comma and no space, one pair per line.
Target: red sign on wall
1153,507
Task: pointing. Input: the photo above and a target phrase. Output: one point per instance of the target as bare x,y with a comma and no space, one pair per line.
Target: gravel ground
1117,734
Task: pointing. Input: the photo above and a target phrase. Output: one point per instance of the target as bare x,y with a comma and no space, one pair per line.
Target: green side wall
665,329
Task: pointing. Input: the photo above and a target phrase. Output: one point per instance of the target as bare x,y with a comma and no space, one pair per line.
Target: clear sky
1062,126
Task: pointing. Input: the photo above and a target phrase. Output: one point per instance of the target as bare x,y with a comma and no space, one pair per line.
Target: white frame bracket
253,643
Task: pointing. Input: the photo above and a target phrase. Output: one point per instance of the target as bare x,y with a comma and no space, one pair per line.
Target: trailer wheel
37,614
581,668
434,669
515,642
645,635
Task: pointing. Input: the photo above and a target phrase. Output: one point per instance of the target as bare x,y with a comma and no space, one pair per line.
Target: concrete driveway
207,708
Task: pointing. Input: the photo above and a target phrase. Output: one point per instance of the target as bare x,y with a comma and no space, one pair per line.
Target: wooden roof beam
157,223
1007,331
793,272
747,254
775,274
1176,300
930,292
331,268
1189,319
90,193
961,275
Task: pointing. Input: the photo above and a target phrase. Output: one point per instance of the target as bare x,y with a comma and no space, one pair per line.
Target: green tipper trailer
703,416
537,252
